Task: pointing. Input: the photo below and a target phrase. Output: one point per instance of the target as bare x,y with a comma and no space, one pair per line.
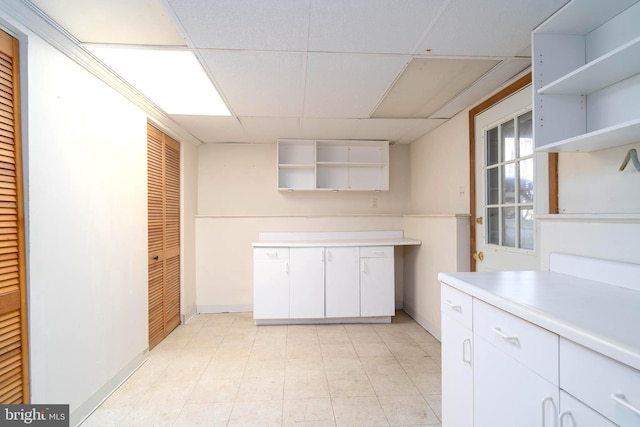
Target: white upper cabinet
334,165
586,76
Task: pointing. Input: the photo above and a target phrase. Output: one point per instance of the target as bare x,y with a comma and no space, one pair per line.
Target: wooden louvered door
163,160
14,370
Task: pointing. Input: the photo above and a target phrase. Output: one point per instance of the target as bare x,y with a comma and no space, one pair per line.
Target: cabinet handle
504,336
377,252
563,415
286,269
544,409
453,306
272,254
329,256
622,400
364,267
464,351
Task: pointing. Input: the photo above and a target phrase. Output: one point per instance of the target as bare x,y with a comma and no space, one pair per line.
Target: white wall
87,232
238,198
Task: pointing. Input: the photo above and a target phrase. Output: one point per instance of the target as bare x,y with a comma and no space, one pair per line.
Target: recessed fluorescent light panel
173,80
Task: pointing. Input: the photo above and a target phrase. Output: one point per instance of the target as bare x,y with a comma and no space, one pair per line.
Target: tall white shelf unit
333,165
586,76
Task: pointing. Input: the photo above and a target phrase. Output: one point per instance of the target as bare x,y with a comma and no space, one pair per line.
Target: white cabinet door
509,394
457,374
271,283
574,413
306,288
377,282
342,282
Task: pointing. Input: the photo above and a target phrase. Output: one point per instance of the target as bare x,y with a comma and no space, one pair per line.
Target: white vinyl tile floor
222,370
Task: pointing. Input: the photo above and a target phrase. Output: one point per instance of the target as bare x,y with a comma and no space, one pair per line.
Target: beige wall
439,163
241,179
238,198
189,193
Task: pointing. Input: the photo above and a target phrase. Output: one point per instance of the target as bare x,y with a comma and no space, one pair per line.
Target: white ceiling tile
348,86
489,83
423,127
258,83
328,128
269,129
245,24
488,27
213,128
375,26
115,21
428,83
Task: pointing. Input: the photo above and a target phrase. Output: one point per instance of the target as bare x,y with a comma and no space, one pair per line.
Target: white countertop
333,239
333,243
602,317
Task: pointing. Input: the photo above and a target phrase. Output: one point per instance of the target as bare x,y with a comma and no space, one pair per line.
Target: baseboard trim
428,326
91,404
212,309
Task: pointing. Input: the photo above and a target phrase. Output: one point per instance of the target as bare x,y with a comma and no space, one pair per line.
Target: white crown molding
25,13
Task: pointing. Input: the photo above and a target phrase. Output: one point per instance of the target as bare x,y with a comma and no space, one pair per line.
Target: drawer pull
453,306
466,344
622,400
377,252
504,336
544,409
272,254
563,415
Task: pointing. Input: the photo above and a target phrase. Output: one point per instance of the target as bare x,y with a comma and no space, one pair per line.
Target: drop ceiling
345,69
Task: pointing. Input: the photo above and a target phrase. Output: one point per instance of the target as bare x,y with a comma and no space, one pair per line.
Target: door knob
478,256
155,258
479,220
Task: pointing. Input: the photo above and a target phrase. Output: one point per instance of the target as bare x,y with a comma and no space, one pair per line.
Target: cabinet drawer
457,305
271,253
574,413
527,343
376,251
610,387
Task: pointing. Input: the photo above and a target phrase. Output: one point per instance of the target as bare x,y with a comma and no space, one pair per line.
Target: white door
377,288
271,283
507,393
306,286
342,282
509,177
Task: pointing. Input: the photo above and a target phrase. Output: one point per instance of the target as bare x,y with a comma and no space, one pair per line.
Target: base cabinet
457,374
376,281
306,286
342,282
323,282
271,283
508,393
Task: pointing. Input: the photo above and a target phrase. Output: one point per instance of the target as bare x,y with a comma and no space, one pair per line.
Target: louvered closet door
14,380
163,154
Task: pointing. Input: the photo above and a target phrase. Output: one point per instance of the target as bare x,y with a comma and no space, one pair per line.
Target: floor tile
221,369
358,411
408,411
308,413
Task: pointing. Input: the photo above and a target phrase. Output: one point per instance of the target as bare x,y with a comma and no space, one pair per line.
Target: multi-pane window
509,183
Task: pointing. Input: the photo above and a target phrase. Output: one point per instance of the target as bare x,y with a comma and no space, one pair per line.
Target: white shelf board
613,136
581,17
296,166
615,66
350,165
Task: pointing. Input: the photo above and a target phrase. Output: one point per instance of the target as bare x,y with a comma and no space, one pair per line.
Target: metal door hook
632,155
